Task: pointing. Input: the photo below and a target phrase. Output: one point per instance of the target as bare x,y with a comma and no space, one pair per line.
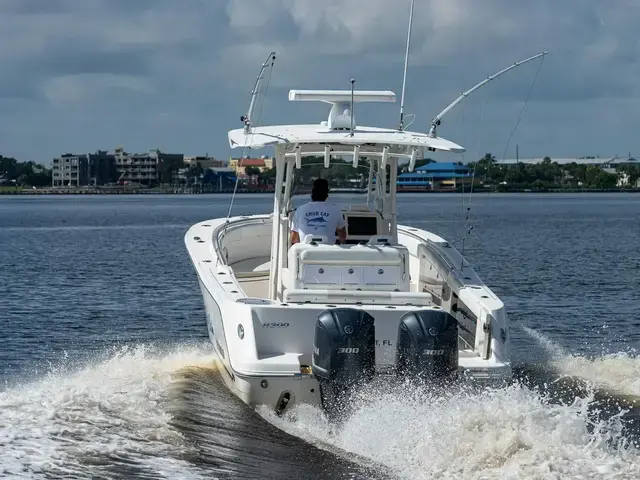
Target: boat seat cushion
263,267
348,267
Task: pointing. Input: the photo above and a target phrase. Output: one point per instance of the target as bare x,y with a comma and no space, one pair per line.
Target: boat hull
264,348
254,390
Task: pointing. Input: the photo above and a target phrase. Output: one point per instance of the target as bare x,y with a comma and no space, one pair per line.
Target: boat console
375,272
370,263
314,264
361,226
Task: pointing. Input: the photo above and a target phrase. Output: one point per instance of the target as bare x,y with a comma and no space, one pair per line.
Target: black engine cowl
427,346
343,352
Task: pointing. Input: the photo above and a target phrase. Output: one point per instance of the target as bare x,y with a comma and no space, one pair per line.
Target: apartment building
70,170
139,168
102,168
204,161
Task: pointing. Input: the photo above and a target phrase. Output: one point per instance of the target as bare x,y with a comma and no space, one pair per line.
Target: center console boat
305,323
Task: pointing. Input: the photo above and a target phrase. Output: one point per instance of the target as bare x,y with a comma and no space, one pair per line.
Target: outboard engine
427,346
344,354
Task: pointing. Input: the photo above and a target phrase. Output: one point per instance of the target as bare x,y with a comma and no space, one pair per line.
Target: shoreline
81,191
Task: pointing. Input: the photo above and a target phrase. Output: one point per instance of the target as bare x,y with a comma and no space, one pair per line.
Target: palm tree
253,173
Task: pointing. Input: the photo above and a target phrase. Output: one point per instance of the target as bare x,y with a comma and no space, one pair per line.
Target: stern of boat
336,317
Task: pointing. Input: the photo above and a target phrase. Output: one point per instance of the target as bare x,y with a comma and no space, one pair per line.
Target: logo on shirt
316,219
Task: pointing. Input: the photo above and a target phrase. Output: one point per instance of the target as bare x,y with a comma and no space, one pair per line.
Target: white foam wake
509,433
513,433
68,423
619,372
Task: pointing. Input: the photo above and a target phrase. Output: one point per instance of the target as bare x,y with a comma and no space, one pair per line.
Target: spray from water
103,419
557,430
150,412
618,372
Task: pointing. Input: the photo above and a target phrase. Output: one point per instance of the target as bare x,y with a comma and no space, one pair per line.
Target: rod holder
412,160
384,158
356,155
298,157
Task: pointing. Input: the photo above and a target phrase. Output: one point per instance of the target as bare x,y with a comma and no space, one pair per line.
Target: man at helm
318,217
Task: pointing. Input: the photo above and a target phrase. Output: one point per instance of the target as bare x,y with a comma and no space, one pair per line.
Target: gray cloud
89,74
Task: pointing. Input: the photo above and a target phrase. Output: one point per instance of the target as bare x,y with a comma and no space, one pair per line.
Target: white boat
306,323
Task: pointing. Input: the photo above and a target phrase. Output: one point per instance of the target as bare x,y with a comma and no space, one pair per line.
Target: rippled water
106,368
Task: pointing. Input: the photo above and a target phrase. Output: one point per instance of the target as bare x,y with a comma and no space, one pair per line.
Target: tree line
13,172
544,175
551,175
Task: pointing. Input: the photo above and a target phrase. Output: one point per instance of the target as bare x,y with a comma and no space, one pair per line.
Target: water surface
107,372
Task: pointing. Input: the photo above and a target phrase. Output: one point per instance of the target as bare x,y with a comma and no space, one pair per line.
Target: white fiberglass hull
264,347
253,389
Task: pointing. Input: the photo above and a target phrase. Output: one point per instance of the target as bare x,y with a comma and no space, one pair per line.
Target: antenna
436,121
353,82
246,119
406,65
342,103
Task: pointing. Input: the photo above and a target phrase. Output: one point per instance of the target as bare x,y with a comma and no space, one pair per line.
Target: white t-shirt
317,218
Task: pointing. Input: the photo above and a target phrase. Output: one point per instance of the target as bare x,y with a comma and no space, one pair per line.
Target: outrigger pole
436,121
406,65
246,119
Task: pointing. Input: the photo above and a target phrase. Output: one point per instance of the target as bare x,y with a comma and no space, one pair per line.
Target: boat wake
147,412
514,432
549,423
106,419
235,440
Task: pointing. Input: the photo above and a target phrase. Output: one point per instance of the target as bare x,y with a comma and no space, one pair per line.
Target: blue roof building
219,174
436,174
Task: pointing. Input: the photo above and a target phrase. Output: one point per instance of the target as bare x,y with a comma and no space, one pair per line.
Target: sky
81,75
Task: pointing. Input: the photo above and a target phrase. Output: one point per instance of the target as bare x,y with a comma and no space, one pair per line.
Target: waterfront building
604,162
70,170
102,168
203,161
166,165
145,168
240,165
435,175
221,177
139,168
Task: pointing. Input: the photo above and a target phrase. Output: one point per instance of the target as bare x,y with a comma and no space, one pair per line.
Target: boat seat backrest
348,267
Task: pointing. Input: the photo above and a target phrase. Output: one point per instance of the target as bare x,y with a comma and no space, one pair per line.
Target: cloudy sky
82,75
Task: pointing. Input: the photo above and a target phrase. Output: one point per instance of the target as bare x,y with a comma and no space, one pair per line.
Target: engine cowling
343,353
427,346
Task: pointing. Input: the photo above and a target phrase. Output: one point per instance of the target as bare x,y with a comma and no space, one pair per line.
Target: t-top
317,218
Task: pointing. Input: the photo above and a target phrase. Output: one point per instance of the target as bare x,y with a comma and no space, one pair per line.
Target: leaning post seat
316,265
